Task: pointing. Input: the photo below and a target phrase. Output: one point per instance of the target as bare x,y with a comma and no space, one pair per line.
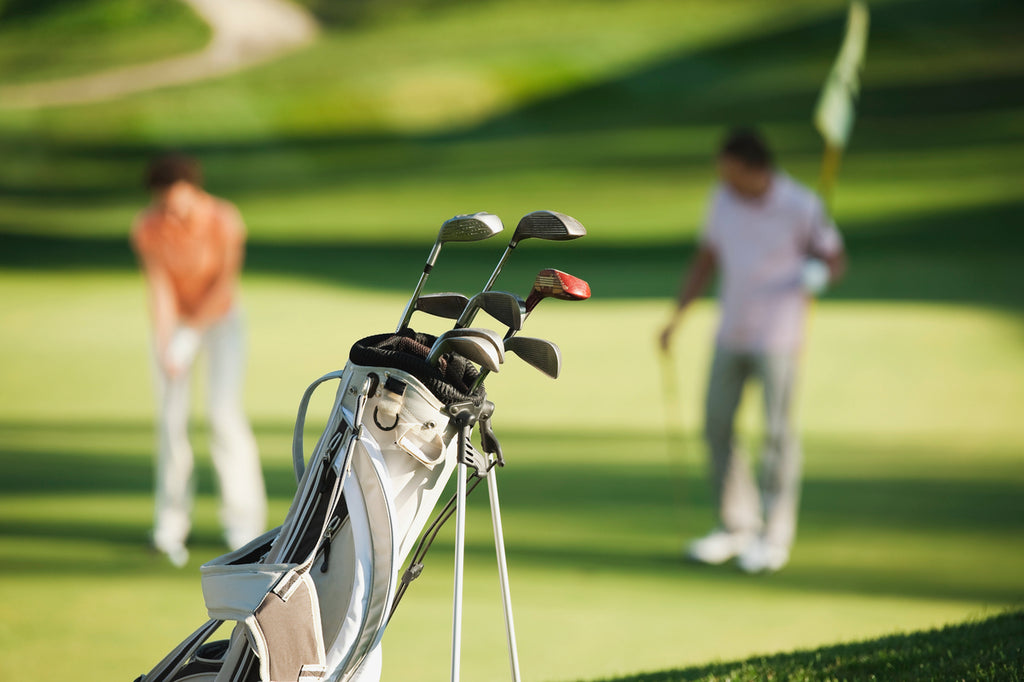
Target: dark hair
167,169
747,145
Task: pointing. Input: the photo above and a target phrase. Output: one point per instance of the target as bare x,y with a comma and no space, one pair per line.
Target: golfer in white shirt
775,246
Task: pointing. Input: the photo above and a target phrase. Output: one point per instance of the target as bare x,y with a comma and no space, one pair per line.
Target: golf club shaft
500,265
411,305
506,598
460,550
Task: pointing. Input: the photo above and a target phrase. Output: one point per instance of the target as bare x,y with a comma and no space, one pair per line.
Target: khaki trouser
243,511
771,507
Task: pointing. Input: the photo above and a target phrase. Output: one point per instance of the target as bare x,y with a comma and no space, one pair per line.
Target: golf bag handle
298,455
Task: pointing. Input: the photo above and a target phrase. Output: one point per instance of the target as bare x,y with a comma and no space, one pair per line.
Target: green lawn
988,649
345,157
47,39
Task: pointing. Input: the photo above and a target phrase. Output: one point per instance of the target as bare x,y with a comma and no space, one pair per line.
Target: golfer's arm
163,306
696,280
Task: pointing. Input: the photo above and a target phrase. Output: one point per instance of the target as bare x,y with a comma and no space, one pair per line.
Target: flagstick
829,171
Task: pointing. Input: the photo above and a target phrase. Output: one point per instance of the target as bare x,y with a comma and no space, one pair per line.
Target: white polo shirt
760,246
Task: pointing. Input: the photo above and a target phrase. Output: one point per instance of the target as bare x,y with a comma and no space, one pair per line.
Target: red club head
551,283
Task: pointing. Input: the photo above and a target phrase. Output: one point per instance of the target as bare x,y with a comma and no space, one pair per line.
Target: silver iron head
503,306
490,336
539,353
474,348
448,305
550,225
470,227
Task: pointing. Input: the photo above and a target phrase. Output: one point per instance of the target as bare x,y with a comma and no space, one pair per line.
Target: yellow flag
833,117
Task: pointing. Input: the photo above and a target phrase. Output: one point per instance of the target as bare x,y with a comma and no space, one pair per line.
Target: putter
448,305
469,227
505,307
476,348
549,225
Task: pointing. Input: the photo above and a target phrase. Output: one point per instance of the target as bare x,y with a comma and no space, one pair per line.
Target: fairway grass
48,39
989,649
911,517
345,157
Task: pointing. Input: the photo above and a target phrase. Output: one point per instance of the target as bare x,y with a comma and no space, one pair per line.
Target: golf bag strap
170,664
298,456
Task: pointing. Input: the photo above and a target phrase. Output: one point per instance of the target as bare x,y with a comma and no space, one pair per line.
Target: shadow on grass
597,517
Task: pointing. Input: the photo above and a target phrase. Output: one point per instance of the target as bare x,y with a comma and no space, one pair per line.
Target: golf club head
503,306
470,227
485,335
549,225
551,283
490,336
539,353
448,305
474,348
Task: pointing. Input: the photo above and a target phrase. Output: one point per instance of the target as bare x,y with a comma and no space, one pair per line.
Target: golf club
448,305
503,306
551,283
477,348
549,225
461,228
539,353
489,335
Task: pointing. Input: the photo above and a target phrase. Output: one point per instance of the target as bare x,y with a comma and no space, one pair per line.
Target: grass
49,39
988,649
911,512
911,394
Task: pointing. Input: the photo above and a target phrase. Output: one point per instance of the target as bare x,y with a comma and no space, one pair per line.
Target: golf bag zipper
332,529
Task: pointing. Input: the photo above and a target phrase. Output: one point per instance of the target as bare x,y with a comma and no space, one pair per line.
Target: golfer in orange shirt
190,246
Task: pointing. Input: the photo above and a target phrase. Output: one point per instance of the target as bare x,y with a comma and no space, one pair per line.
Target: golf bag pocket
423,442
279,607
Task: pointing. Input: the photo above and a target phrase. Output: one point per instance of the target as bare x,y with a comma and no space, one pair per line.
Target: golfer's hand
172,370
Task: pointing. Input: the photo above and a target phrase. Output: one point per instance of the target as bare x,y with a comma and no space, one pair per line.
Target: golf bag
311,598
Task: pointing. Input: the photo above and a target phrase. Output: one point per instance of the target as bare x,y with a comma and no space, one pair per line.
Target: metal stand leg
460,551
506,598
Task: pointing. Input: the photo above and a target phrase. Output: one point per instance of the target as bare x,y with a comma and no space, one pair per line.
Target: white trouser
743,506
243,512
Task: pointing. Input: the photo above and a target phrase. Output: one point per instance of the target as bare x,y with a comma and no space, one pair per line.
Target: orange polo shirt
195,254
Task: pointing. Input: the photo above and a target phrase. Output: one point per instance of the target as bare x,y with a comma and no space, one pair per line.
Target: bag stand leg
460,551
506,598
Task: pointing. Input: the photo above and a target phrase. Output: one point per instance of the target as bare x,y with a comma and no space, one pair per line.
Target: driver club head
539,353
448,305
470,227
549,225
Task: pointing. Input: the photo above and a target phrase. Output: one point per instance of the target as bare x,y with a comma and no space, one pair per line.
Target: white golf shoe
718,546
762,556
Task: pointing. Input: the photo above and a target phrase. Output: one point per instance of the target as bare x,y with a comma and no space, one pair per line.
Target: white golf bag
311,598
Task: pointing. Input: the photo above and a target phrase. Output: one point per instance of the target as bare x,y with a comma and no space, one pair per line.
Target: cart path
245,32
